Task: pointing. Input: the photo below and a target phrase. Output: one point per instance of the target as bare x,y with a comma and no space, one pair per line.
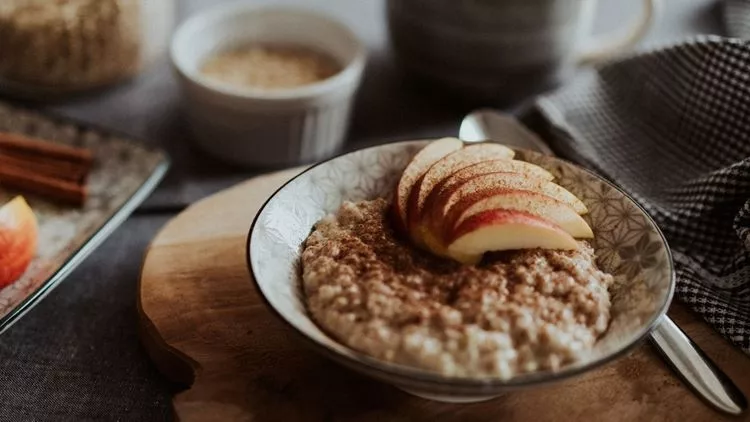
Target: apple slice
443,168
534,203
502,230
18,239
415,170
489,184
484,167
503,166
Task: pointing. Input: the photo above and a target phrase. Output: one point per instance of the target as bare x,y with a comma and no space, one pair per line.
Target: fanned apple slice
502,230
503,166
533,203
416,168
489,184
443,168
434,214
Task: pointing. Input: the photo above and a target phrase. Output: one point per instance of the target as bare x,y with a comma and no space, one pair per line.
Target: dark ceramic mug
495,51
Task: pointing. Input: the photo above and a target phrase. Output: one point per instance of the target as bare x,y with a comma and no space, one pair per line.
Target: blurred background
389,106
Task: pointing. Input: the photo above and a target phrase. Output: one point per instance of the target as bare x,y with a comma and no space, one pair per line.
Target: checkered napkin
672,127
737,18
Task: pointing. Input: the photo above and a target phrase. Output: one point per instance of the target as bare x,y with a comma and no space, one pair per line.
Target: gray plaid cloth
672,128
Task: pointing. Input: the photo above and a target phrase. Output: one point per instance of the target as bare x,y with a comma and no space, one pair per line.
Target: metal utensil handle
696,369
691,364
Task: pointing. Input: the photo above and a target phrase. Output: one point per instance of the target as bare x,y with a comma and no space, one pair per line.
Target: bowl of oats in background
267,86
53,49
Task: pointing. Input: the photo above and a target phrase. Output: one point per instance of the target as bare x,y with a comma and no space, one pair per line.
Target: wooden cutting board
204,325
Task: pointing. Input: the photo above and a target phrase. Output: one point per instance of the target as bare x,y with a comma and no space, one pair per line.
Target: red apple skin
444,223
487,184
534,203
439,202
442,169
482,168
465,246
416,168
436,201
495,217
18,240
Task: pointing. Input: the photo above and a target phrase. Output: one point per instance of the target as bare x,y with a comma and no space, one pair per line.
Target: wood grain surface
204,325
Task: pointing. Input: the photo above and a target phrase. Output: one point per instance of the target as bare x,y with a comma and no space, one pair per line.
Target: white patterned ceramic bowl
628,245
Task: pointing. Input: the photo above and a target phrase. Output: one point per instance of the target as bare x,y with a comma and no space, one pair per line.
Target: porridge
515,312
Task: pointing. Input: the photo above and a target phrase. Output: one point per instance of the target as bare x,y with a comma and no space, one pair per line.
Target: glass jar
59,47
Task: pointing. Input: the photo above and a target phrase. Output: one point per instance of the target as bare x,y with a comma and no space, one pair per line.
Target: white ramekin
266,127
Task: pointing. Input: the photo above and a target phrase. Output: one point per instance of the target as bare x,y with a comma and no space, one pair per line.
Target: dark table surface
76,356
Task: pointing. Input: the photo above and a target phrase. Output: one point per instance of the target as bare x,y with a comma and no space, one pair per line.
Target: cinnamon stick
58,169
61,190
52,170
14,143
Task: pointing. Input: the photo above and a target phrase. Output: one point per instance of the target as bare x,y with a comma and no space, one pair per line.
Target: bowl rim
348,75
370,364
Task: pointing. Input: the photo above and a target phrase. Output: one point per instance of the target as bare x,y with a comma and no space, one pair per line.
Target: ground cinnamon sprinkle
270,66
517,312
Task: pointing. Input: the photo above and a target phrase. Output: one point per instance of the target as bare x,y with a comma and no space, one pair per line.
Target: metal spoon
696,369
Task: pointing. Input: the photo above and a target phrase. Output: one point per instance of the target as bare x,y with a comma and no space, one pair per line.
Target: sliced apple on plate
18,239
533,203
502,230
443,168
414,171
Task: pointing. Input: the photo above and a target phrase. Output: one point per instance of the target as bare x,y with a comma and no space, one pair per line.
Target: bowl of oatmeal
267,86
507,301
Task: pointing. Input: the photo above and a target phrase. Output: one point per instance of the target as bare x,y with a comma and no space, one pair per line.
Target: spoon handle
696,369
685,357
